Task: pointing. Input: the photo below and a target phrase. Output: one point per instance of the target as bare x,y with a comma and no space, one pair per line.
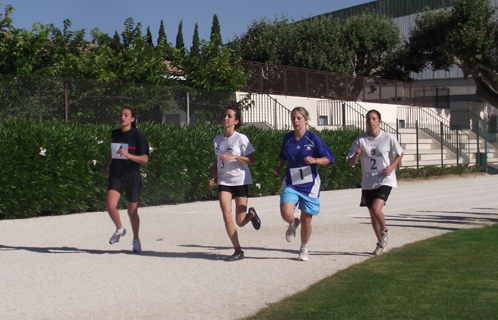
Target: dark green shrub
54,168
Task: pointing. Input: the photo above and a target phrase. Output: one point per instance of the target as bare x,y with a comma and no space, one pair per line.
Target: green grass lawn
453,276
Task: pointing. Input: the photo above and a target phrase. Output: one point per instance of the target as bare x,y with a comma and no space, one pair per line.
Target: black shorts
236,191
131,186
368,196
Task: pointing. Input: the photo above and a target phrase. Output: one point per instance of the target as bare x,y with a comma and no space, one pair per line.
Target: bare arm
214,173
387,170
249,159
311,160
279,168
106,164
357,152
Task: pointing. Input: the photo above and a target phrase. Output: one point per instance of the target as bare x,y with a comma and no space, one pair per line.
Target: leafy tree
195,50
179,36
357,46
22,52
212,76
216,32
465,35
213,69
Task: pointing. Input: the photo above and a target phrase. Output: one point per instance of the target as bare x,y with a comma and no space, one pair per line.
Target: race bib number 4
301,175
115,147
374,165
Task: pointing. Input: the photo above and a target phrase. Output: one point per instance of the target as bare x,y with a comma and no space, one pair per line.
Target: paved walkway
62,267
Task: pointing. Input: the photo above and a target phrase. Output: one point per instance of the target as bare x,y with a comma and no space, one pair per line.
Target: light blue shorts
307,204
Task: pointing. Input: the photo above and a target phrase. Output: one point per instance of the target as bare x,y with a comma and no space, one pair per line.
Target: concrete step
423,146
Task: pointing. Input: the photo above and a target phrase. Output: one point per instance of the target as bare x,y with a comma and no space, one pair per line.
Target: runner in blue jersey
303,151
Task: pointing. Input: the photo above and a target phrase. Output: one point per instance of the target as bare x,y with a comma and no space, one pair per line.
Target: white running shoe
116,236
137,247
378,250
384,237
290,234
303,255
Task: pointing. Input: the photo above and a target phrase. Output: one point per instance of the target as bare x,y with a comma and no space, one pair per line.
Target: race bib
374,165
301,175
114,150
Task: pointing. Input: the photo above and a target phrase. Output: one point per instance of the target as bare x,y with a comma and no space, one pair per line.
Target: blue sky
109,15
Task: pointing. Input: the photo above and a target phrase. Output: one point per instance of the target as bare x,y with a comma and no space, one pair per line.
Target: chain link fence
90,101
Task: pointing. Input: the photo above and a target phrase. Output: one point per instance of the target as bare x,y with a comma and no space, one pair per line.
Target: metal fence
284,80
266,112
345,114
90,101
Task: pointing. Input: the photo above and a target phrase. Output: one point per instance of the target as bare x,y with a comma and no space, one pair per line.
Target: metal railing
266,110
346,114
466,120
292,81
436,127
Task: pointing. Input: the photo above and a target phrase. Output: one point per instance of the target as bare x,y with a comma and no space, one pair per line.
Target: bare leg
287,211
134,218
225,204
241,216
111,204
377,217
305,227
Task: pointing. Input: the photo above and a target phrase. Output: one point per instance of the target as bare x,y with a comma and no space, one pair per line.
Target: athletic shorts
368,196
131,187
305,203
236,191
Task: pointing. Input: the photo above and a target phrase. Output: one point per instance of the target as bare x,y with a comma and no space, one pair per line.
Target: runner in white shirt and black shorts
380,154
234,153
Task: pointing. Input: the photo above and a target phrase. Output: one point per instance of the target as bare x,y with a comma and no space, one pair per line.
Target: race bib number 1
301,175
374,165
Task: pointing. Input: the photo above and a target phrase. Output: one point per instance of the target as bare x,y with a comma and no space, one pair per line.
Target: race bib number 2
374,165
301,175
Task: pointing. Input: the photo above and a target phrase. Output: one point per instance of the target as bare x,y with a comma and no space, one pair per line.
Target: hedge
51,168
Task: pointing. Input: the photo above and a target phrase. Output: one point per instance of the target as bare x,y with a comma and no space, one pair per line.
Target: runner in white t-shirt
380,154
234,153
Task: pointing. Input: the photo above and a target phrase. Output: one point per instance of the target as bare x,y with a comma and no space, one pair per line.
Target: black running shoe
256,222
236,256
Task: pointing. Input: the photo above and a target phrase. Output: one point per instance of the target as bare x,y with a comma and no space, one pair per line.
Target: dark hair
134,123
238,114
373,110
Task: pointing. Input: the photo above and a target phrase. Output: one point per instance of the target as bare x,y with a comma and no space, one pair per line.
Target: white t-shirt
378,153
233,172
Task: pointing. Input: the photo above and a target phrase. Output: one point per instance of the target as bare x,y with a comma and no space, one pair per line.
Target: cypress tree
162,39
149,37
179,37
116,42
195,42
215,30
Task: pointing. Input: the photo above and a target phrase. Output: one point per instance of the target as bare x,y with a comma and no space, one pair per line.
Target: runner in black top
129,149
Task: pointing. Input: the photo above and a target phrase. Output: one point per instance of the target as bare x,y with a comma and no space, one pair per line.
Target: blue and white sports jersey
299,175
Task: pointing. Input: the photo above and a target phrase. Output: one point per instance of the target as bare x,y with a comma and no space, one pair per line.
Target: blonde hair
302,111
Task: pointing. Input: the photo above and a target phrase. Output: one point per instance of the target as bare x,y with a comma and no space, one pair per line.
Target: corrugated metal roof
390,8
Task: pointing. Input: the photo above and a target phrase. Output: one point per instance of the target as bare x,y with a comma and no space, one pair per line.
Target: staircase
430,153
